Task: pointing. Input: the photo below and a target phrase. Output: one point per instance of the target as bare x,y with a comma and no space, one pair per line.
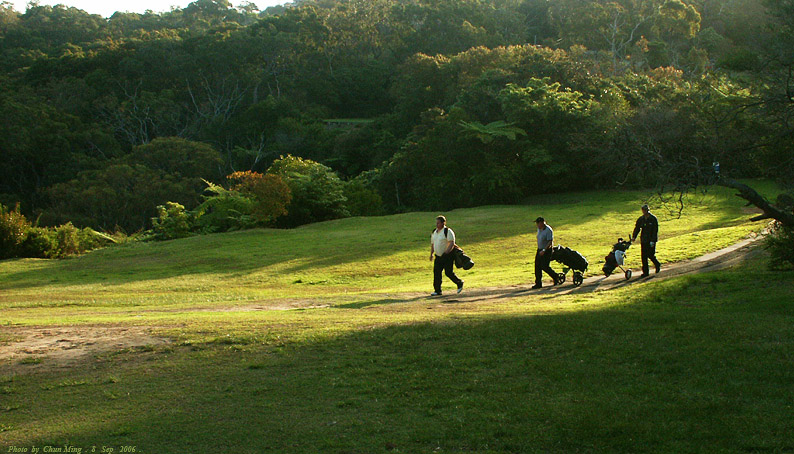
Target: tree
317,192
778,95
677,23
42,146
9,18
271,194
119,195
179,157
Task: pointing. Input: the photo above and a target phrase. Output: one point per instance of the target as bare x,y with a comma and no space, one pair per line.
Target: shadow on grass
315,247
381,302
678,369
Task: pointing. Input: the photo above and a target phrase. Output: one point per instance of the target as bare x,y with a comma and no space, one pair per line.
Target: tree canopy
383,104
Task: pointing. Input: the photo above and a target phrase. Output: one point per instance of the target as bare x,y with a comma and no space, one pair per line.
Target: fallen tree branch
756,199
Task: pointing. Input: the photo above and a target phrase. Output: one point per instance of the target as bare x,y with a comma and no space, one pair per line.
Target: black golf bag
461,259
572,260
615,257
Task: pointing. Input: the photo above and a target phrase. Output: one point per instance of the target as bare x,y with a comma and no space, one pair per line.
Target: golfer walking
543,255
649,225
442,242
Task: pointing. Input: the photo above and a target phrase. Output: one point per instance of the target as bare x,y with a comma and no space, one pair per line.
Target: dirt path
44,348
36,348
724,258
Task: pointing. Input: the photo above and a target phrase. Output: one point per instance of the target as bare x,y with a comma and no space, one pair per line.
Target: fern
487,133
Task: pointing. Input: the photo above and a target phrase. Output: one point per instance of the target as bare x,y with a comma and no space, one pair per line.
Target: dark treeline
392,105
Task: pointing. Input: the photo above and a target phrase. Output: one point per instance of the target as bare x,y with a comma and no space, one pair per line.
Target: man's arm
548,245
655,230
450,247
637,228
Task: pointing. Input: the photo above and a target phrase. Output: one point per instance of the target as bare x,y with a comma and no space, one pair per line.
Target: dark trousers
648,252
444,263
542,264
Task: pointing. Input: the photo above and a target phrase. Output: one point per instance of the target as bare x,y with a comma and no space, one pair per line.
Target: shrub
39,243
68,240
13,226
91,239
362,200
780,244
224,210
317,192
172,222
270,193
19,239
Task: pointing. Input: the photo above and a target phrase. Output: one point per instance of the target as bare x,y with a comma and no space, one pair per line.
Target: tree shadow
647,376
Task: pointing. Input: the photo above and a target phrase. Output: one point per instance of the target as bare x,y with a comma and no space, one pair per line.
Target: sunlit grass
662,366
352,258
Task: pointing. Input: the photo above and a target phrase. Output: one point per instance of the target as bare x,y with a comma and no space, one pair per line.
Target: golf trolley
572,260
616,258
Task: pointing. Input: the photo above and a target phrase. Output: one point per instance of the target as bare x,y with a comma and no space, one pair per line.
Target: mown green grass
348,258
685,365
690,364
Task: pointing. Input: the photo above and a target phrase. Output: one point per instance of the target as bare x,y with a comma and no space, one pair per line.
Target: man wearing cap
543,256
442,241
649,225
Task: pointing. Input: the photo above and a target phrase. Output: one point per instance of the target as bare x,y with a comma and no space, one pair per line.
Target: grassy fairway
691,364
685,365
346,258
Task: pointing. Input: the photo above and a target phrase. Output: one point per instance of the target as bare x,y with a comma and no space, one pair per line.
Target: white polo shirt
439,242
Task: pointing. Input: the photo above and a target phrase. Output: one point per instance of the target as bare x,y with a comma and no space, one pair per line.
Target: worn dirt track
46,348
717,260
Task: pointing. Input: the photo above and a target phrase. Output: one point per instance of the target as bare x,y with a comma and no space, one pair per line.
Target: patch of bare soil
275,305
51,348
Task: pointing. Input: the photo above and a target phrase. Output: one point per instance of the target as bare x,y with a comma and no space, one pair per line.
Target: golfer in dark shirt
649,225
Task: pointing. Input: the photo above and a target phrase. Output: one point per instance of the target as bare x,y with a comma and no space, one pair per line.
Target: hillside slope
349,257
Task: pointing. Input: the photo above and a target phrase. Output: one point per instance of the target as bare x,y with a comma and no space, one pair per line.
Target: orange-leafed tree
271,194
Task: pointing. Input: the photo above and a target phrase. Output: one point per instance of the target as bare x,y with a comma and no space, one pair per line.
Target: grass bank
342,260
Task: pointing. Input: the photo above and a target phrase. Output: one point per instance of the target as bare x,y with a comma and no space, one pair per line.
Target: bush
19,239
172,222
68,240
225,210
13,228
269,192
39,243
317,192
780,244
91,239
362,200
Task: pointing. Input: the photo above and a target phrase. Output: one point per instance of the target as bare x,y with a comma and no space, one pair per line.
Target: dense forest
329,108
